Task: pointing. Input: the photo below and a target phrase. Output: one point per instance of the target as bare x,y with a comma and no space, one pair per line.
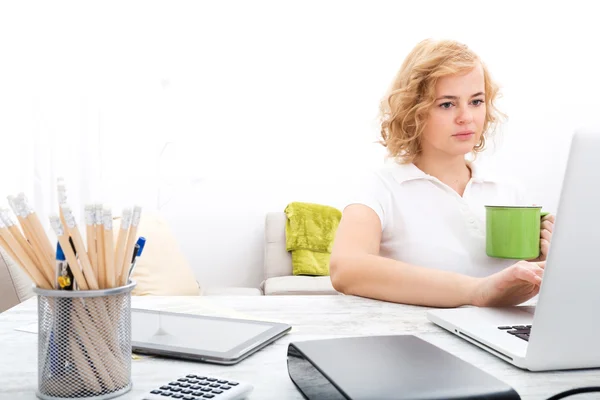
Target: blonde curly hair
404,109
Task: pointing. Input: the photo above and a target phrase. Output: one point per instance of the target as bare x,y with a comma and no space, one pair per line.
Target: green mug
513,231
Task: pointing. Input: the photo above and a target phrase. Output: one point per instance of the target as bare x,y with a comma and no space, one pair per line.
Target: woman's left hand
546,228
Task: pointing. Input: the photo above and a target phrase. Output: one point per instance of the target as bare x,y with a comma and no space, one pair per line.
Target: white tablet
200,338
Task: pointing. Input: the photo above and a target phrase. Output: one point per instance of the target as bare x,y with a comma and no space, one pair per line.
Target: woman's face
455,122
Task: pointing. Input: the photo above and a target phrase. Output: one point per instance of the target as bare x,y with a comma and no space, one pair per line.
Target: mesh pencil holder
84,343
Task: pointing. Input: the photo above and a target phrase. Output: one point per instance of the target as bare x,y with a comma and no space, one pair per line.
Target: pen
139,248
64,276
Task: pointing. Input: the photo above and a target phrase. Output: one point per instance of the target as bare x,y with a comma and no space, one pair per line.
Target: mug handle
543,214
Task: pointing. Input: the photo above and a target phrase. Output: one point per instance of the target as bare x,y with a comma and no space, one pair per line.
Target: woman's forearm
382,278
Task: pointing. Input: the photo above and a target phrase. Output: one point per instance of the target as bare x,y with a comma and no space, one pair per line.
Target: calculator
201,387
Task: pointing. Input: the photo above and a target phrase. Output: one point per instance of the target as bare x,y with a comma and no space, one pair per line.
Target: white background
216,112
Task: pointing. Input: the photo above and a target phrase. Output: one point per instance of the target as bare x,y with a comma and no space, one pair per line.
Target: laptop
563,330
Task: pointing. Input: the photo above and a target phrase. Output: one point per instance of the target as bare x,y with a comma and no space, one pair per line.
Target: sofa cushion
15,285
278,261
294,285
231,291
162,269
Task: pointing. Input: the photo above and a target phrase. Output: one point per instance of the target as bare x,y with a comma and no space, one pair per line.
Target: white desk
312,317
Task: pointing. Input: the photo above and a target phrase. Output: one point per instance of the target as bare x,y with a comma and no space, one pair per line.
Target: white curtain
128,99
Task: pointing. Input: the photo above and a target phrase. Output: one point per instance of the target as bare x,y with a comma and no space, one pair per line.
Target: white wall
262,103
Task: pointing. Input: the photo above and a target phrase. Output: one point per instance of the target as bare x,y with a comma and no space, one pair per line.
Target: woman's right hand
511,286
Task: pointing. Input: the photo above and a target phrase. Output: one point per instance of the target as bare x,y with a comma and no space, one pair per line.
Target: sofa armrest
15,285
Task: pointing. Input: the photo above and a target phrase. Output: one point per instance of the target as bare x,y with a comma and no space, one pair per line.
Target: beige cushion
231,291
294,285
15,285
278,261
162,270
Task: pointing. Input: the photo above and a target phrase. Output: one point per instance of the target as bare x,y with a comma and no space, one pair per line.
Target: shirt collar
408,172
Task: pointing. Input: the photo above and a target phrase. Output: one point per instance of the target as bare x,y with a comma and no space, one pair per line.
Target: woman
416,232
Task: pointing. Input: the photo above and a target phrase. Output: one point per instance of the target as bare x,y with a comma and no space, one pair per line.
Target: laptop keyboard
520,331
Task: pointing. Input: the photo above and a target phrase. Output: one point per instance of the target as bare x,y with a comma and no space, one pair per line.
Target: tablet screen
192,331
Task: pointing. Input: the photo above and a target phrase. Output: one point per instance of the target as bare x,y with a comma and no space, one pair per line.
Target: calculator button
217,391
197,393
190,376
192,381
200,377
175,389
182,380
177,396
195,387
186,391
184,385
165,387
166,394
214,385
189,398
205,389
225,387
232,383
174,383
209,396
156,392
222,381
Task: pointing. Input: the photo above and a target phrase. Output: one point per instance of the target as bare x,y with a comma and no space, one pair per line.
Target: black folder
387,367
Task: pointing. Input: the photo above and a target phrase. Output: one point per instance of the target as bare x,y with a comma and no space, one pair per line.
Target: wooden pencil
88,272
62,198
122,241
131,239
109,248
38,230
14,257
16,232
96,350
63,239
100,246
21,257
90,219
47,264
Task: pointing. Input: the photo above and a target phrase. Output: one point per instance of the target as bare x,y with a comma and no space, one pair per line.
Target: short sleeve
371,191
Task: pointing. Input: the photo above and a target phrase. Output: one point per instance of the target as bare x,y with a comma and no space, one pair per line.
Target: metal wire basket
84,343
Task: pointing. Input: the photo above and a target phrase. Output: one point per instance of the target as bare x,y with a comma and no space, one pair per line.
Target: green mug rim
542,213
490,206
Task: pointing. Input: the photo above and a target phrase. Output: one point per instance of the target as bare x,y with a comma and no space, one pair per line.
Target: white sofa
276,279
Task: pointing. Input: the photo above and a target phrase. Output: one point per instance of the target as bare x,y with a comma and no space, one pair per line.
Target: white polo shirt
426,223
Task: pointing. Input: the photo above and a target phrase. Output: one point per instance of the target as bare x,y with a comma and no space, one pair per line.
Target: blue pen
139,248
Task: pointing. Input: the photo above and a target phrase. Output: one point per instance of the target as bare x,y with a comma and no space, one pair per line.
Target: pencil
38,230
100,247
16,232
61,190
109,248
73,230
19,255
90,219
47,266
121,241
14,257
63,239
131,239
